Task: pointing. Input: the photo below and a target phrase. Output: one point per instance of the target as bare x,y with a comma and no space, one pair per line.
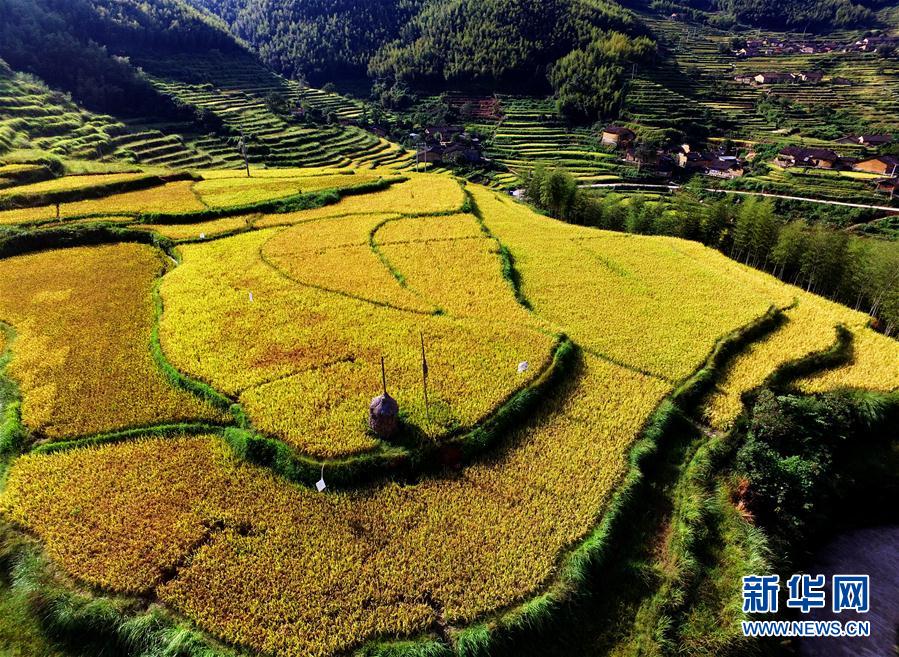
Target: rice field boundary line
633,368
712,190
507,259
312,368
381,304
502,253
376,250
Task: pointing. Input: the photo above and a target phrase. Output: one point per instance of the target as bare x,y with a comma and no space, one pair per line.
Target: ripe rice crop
874,366
198,230
334,254
375,562
82,359
654,303
427,229
289,172
70,183
315,329
422,194
442,271
810,328
227,192
293,322
172,197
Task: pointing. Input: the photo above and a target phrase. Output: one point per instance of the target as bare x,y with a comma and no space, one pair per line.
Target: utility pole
242,147
424,377
419,150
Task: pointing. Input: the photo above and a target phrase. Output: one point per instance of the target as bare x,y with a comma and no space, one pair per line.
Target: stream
875,552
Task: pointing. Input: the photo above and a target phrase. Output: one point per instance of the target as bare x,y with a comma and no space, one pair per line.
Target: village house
767,47
845,82
617,136
820,158
773,78
726,167
693,160
452,155
887,165
869,141
872,43
443,134
888,186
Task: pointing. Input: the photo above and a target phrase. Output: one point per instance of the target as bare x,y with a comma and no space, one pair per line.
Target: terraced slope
234,89
531,132
239,90
32,116
698,84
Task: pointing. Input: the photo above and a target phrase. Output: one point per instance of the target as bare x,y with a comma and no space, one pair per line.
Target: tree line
860,272
580,51
778,14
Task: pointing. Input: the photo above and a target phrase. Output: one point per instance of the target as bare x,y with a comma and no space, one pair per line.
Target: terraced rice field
233,88
698,87
180,196
236,90
83,320
831,185
531,132
32,116
288,320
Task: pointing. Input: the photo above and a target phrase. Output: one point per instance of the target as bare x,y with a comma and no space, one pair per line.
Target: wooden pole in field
424,377
242,145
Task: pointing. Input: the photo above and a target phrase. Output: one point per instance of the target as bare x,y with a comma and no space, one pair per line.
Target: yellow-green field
288,316
83,319
70,183
217,190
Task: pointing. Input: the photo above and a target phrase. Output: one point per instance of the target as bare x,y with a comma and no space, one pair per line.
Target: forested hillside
315,39
802,15
493,44
80,46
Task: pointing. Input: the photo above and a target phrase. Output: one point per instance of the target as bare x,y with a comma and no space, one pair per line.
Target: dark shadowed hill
81,46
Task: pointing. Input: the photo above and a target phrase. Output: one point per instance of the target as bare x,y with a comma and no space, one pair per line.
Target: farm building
871,141
618,136
814,77
726,168
888,186
443,134
885,164
773,78
821,158
454,154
